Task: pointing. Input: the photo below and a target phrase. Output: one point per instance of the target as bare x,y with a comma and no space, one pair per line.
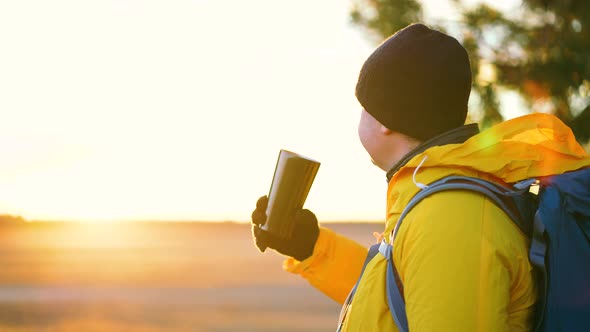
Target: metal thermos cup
292,180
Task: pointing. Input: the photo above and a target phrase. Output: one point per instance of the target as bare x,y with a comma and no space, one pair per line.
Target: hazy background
205,277
176,110
121,118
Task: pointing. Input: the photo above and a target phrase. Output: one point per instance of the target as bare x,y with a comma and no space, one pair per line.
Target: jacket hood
533,145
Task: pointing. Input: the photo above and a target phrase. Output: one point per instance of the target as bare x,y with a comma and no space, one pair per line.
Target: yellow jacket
464,265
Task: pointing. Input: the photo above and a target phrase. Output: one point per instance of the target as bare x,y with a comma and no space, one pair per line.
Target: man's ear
385,131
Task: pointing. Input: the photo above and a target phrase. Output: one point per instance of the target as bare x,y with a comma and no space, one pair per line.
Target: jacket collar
453,136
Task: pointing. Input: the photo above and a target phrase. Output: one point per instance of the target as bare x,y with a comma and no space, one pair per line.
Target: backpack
557,220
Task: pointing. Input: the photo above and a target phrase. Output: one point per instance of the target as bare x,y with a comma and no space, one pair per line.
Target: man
462,262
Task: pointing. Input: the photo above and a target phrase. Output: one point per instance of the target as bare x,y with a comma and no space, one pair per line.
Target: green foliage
541,50
385,17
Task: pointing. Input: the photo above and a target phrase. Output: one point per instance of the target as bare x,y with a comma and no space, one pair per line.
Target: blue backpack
557,219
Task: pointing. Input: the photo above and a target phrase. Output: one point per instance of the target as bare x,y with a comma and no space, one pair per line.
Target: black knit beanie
417,82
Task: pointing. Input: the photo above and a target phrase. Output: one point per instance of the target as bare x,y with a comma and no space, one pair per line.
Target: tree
6,219
385,17
541,51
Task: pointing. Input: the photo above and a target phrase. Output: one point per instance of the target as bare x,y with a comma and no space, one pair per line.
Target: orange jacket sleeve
334,266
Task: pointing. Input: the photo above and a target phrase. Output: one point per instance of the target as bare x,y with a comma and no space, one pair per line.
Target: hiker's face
371,135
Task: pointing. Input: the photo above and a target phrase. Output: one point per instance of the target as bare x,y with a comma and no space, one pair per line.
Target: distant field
154,277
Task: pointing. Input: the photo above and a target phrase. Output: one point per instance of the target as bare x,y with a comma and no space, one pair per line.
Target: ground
154,277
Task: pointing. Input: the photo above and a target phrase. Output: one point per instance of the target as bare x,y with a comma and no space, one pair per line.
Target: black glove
299,246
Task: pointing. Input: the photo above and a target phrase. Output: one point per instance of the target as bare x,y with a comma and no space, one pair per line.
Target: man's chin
374,163
381,168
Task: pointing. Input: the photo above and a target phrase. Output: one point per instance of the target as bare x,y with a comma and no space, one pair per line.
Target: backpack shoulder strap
499,195
373,251
395,298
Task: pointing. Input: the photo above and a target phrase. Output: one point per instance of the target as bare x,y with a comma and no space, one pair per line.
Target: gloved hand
299,246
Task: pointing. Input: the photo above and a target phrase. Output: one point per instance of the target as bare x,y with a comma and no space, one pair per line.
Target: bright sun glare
165,110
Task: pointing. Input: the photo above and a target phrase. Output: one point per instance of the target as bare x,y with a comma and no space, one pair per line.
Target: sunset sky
176,110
